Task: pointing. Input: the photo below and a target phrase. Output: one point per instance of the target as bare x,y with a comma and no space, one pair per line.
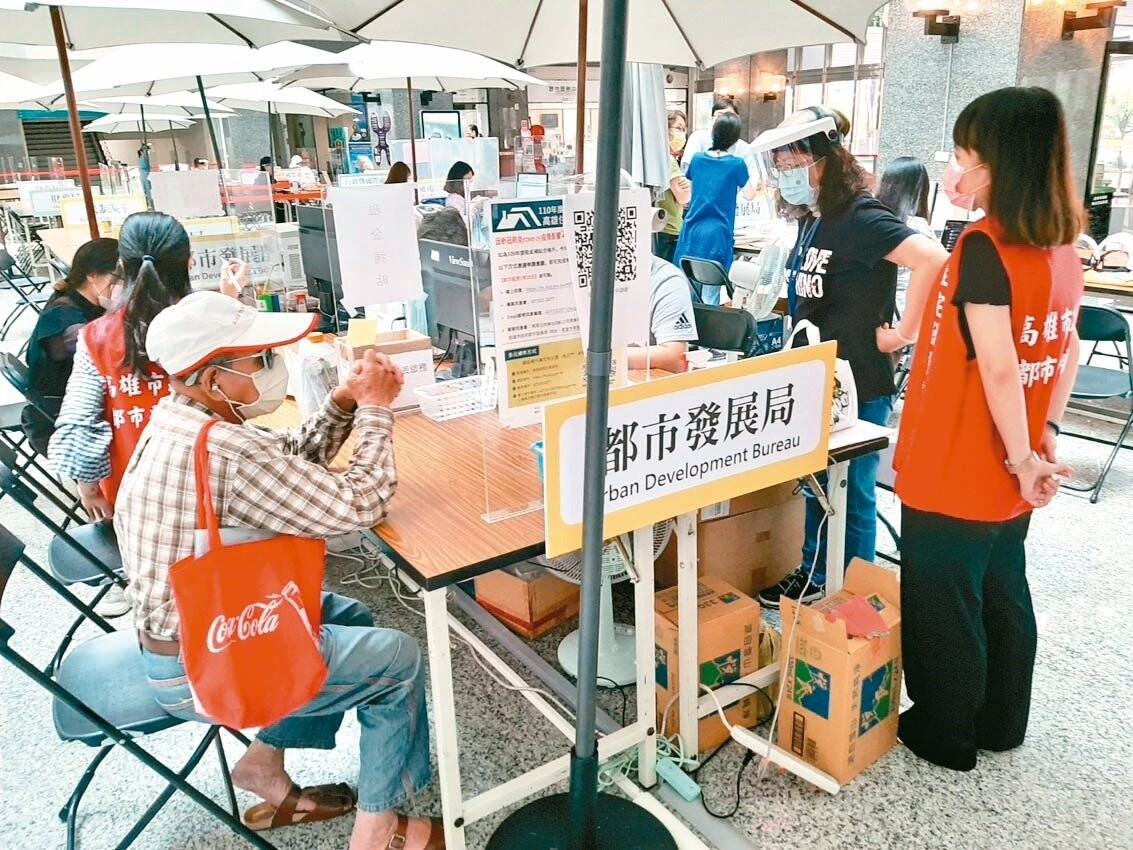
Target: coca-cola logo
257,619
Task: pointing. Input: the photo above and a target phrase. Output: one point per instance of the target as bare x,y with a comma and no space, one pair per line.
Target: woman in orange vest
977,447
113,385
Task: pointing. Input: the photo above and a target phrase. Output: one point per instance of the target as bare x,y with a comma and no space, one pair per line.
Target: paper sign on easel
632,266
377,244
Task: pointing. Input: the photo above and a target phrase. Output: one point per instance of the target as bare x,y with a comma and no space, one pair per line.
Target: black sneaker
793,587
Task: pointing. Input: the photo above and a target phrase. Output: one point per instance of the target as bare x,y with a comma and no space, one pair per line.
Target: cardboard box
750,542
527,599
843,692
728,635
411,351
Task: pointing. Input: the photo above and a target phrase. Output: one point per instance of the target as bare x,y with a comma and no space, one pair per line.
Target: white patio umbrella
93,23
529,33
110,23
270,97
15,90
183,104
393,64
134,123
38,63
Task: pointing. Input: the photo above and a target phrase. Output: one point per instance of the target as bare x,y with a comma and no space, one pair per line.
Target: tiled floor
1069,785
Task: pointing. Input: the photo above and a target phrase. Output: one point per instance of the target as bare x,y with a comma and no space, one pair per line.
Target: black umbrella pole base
544,824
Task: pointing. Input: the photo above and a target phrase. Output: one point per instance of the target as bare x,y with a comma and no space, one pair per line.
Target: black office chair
86,709
702,273
1096,383
724,328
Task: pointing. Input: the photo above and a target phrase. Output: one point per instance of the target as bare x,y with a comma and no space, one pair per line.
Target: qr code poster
631,265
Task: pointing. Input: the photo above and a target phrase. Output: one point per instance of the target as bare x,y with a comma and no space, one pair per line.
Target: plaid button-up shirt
260,479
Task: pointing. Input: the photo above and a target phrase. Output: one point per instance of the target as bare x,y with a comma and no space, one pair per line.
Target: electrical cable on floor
622,691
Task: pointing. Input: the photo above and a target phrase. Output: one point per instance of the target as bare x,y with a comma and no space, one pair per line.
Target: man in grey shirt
671,322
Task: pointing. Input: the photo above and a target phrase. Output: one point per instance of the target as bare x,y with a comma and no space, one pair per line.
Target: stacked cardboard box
750,542
528,599
843,673
728,638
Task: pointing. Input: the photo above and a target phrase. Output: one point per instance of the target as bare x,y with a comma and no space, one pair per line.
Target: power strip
677,779
781,757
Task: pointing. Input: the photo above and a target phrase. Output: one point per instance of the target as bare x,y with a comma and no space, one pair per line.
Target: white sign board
676,445
112,208
26,188
538,340
47,202
259,249
347,180
376,232
631,269
186,194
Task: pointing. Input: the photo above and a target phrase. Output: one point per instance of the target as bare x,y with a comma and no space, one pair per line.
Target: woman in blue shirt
709,225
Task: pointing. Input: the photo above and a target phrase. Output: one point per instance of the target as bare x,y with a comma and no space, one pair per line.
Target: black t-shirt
48,375
983,280
846,287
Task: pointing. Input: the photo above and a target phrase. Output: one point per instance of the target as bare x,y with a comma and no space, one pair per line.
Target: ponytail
154,249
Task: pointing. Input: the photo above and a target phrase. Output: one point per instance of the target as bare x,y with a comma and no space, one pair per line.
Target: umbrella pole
145,140
580,95
208,123
590,820
173,139
73,119
412,127
271,140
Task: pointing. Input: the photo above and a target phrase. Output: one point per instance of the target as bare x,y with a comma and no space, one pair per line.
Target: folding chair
724,328
86,709
31,292
702,273
1096,383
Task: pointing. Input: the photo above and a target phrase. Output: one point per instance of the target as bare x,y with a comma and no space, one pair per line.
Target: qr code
625,266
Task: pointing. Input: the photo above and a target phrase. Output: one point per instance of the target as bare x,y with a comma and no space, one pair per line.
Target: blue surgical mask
794,186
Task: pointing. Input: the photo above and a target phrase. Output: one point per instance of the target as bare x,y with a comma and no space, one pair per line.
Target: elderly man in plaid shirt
220,359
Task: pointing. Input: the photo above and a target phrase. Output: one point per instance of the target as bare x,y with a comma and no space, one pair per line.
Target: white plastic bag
314,373
844,409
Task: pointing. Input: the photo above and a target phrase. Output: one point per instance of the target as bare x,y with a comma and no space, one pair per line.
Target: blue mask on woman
794,186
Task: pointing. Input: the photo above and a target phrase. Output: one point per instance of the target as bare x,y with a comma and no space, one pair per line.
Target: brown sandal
435,841
331,801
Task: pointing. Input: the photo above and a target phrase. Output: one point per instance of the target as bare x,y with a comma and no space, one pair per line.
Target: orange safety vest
130,397
950,458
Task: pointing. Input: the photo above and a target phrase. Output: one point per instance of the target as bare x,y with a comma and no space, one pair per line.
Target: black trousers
968,635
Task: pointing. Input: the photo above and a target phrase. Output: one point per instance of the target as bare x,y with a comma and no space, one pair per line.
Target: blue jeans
861,502
378,671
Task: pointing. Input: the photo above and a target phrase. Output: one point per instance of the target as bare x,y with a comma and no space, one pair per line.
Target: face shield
788,156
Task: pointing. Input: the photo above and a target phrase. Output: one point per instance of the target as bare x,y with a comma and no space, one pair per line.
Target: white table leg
444,718
688,645
836,482
646,659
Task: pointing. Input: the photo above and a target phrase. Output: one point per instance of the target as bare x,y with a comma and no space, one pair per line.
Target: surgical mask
271,387
794,186
677,139
950,182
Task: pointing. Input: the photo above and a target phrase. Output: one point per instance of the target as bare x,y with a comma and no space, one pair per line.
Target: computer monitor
530,185
450,274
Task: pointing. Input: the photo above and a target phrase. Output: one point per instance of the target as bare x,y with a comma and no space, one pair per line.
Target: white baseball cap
202,325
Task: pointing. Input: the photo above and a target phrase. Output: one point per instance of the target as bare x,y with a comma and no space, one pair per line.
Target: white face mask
271,386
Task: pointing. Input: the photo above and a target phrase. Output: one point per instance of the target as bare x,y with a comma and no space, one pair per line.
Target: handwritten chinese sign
377,244
111,208
678,444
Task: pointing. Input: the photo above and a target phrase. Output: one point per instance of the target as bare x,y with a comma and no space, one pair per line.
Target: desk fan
758,284
616,647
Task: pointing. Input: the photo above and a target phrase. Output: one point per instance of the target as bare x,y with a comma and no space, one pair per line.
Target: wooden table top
447,474
64,242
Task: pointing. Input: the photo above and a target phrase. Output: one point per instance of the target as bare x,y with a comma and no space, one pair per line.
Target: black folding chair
31,292
1097,383
702,273
724,328
100,697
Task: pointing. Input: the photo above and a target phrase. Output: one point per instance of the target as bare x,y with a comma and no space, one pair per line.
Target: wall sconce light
940,22
770,86
1101,19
